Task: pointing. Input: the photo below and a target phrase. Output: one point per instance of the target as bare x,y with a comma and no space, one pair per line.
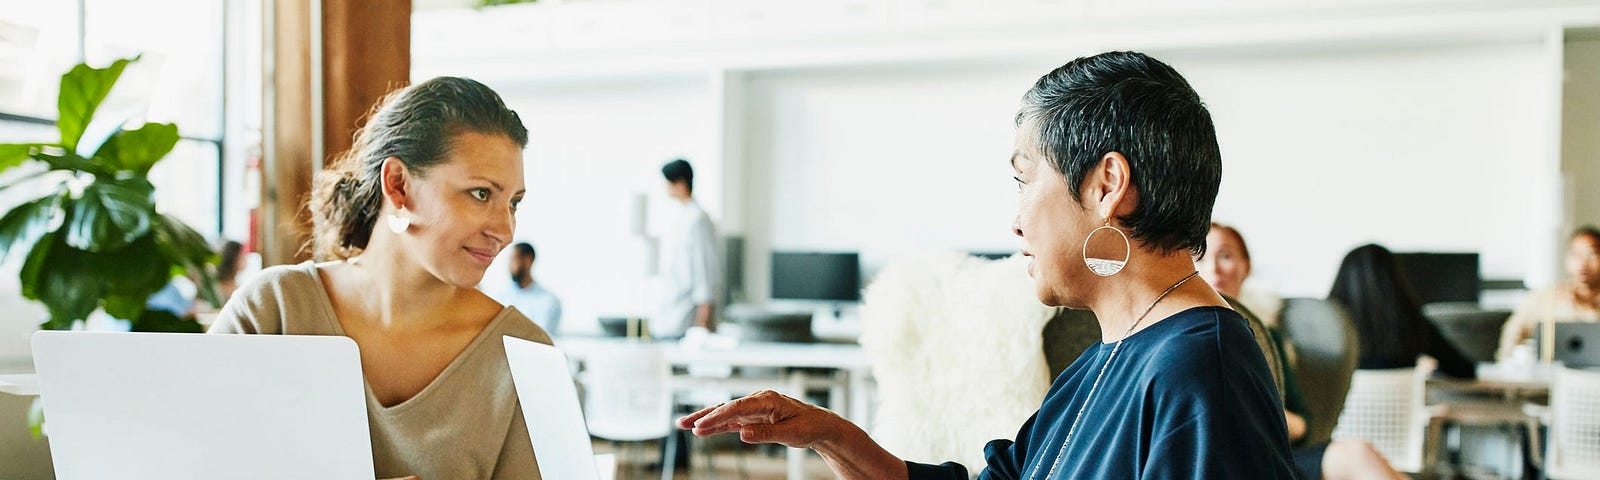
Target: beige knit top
466,424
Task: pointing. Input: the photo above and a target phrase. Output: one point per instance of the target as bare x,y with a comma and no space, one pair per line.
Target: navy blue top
1188,397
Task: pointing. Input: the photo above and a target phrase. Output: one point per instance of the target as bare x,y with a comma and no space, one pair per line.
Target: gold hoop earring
1106,267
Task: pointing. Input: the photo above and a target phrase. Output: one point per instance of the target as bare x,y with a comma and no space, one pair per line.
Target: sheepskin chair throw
956,350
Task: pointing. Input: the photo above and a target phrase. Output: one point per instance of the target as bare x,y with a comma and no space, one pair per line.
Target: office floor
639,462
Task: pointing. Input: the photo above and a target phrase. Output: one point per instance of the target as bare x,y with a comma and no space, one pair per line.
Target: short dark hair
1587,231
525,249
1133,104
679,170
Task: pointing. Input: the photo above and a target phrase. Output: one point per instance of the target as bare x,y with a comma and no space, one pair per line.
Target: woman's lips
481,255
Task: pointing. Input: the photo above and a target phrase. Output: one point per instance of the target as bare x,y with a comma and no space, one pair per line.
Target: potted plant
93,238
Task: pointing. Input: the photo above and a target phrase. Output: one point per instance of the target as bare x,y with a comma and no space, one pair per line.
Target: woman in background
1388,317
1226,266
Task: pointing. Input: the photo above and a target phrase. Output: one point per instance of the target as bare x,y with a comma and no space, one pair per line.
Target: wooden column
328,63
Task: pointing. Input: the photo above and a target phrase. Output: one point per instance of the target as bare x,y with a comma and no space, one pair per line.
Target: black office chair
1328,348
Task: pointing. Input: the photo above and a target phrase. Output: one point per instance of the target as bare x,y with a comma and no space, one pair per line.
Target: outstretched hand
767,417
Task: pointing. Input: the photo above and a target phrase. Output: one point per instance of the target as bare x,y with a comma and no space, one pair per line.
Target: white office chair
628,397
1385,408
1574,416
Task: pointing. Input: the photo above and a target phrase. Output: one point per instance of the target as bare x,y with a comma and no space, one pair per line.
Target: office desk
846,359
25,385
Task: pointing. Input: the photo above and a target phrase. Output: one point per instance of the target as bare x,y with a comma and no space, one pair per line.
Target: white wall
1419,149
880,161
1425,149
590,147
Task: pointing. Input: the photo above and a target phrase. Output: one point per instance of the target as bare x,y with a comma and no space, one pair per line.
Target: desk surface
20,384
747,354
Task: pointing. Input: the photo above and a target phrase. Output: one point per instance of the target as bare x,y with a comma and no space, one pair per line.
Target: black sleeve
943,471
1451,361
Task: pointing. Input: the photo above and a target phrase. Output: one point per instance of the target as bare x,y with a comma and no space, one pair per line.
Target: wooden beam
364,50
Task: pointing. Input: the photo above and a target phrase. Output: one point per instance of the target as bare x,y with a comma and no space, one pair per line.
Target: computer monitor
833,277
1441,277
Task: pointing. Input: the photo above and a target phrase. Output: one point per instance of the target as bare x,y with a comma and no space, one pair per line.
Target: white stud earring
399,221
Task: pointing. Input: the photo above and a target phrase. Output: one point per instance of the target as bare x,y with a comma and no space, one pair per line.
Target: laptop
148,406
543,379
1577,344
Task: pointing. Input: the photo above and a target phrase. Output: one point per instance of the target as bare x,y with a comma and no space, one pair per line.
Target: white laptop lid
169,406
549,402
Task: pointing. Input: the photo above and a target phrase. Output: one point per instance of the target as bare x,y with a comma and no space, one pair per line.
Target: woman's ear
1109,185
396,186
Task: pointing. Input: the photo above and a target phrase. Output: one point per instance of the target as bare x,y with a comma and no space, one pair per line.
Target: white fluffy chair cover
956,349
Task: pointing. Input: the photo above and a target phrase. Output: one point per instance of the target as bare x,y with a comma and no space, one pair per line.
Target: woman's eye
482,194
1019,183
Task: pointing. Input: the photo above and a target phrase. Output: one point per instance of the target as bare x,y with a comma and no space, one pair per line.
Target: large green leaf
82,90
23,225
164,321
137,271
125,306
13,154
110,215
65,279
138,150
191,252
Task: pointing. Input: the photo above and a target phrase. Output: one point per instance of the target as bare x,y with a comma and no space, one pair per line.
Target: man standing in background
689,278
528,296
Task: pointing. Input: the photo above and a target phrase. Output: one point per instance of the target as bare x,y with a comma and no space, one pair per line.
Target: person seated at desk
527,295
1575,300
1388,318
1118,167
1226,266
411,218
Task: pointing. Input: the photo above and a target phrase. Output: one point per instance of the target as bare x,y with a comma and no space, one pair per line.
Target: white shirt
689,275
535,302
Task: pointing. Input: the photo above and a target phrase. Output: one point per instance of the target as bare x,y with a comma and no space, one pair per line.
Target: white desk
25,385
846,358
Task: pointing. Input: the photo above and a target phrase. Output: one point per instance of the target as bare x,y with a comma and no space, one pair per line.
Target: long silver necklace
1096,385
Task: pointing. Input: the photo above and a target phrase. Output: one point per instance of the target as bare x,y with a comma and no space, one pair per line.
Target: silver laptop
560,437
1577,344
168,406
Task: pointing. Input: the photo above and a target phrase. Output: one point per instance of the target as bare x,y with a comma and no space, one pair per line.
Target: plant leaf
125,306
82,90
110,215
23,225
36,417
190,251
139,149
138,271
70,287
164,321
13,154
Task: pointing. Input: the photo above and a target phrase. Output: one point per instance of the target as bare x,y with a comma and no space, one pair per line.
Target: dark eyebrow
497,185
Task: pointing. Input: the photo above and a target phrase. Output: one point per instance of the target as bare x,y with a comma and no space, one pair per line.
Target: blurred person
1226,266
1388,317
690,276
1119,145
531,298
408,221
1575,300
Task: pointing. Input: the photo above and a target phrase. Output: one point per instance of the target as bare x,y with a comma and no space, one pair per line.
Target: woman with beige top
1576,300
406,224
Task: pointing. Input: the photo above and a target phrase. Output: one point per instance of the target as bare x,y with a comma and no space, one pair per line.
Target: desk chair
1328,349
1574,420
628,398
1385,408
